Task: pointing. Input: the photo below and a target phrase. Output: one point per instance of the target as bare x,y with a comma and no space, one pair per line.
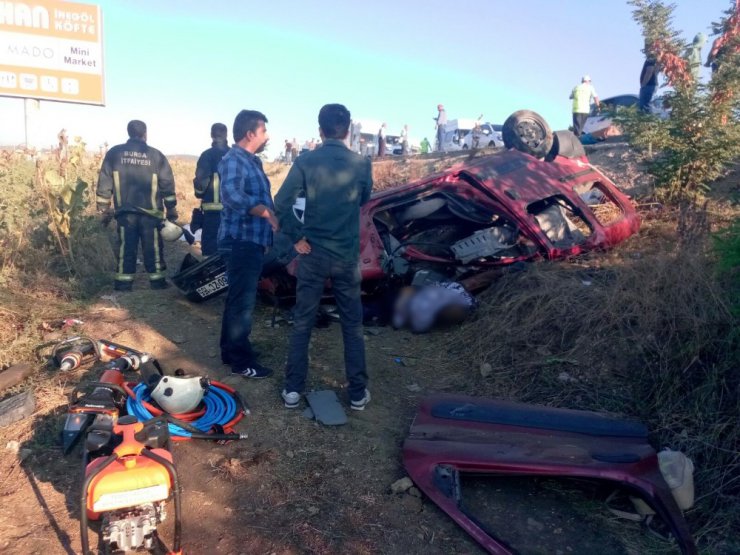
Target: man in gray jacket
335,182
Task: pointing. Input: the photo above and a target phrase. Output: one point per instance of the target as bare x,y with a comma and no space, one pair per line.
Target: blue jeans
313,271
243,268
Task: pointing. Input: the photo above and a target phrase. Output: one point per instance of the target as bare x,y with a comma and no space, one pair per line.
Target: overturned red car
459,224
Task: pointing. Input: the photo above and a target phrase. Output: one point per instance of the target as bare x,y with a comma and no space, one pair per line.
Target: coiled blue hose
220,406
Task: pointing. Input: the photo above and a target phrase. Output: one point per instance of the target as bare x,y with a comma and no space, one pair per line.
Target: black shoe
159,284
123,286
254,371
225,360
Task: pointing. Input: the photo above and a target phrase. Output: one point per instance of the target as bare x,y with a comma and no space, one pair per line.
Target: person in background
247,224
693,55
648,78
425,146
288,152
139,179
582,95
441,126
405,140
381,141
335,182
207,187
294,149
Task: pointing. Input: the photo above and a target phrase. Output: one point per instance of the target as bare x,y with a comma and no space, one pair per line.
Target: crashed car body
476,216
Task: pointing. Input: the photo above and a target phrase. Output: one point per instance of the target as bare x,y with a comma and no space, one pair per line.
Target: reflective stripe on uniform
117,186
171,198
155,186
101,200
122,235
124,277
211,206
157,253
156,276
216,188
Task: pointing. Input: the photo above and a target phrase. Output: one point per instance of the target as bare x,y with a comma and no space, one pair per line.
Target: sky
181,65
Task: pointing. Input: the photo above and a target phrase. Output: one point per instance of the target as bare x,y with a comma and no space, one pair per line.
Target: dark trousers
243,268
440,137
132,230
646,95
313,271
381,148
578,122
209,232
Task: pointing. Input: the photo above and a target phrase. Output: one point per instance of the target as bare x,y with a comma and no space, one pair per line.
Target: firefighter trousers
132,230
209,232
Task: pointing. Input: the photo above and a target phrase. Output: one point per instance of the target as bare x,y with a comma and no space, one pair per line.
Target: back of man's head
247,120
136,129
334,121
218,131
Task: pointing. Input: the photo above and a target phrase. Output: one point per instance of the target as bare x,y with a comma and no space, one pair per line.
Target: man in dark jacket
335,182
140,181
207,187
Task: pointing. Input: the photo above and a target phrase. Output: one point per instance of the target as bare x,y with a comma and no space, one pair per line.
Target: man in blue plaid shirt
247,223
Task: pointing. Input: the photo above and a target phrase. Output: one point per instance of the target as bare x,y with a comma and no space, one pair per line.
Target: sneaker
362,403
254,371
291,399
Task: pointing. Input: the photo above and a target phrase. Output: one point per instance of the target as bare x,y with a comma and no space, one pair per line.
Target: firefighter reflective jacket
139,179
207,184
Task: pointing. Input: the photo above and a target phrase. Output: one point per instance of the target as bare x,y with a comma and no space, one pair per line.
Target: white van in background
459,135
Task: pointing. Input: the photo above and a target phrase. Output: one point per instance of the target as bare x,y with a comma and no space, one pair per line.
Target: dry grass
649,337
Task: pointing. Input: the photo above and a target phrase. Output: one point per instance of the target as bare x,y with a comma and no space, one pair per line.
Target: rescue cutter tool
104,397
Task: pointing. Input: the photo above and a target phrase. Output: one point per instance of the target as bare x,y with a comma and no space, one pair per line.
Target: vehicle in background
490,137
599,122
459,134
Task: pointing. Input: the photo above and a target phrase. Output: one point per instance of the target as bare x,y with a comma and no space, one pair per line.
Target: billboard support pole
25,122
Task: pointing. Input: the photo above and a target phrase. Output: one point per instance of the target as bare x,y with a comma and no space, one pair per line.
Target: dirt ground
293,486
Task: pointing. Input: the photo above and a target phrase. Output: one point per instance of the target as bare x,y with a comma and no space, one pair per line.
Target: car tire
528,132
566,144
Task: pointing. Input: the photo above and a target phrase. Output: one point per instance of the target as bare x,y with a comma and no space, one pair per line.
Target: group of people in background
584,95
238,221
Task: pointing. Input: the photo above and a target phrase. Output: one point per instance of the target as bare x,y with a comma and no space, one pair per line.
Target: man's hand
105,217
172,215
273,221
262,211
302,246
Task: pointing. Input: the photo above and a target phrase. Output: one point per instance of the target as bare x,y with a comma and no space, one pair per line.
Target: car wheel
565,143
528,132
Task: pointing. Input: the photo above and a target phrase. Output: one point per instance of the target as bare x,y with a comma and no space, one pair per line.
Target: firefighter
208,188
140,181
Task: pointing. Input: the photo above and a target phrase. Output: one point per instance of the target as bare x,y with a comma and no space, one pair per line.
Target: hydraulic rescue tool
106,396
129,476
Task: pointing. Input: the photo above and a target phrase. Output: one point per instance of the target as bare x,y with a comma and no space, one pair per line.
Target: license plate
212,287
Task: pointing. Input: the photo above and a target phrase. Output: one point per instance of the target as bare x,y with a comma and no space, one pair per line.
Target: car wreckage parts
458,435
482,214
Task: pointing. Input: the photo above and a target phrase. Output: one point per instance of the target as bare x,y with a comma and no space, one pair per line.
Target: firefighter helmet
170,231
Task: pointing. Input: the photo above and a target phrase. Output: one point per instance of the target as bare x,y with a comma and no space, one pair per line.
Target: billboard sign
51,50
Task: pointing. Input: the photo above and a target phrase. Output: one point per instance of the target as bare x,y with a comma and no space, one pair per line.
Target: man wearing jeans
247,223
335,182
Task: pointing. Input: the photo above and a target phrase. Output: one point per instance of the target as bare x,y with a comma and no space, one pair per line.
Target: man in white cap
582,95
441,120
